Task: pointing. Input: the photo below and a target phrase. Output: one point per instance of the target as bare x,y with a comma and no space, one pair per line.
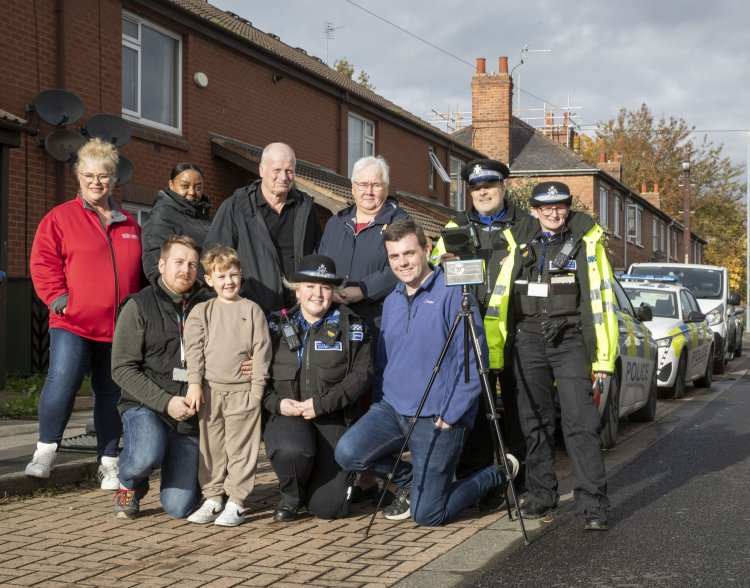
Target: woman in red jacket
85,259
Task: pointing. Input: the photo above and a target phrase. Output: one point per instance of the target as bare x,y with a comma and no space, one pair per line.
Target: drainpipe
60,12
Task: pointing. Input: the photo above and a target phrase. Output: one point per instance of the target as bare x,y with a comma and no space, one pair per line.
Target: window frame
366,140
135,45
616,215
604,207
137,210
636,238
457,189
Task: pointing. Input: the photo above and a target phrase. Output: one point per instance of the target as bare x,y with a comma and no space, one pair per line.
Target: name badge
321,346
538,289
179,375
569,265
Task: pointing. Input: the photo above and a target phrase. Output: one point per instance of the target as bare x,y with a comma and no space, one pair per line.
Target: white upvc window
151,74
139,211
361,139
635,224
616,216
604,207
458,186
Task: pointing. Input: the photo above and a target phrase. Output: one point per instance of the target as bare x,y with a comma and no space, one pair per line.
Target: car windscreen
703,283
663,303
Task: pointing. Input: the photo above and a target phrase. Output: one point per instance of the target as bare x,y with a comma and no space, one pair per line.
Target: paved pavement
72,538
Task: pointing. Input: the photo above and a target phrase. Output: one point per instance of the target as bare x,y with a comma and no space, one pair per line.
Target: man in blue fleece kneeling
417,318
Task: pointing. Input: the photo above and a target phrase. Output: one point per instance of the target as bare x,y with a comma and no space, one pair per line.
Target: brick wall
491,110
241,101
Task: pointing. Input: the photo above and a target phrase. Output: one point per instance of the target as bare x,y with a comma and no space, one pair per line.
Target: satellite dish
58,107
125,171
63,145
109,127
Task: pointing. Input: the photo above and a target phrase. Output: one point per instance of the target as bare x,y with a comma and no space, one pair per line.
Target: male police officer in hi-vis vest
560,284
488,217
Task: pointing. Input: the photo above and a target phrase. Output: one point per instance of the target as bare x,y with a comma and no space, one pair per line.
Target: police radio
566,251
290,332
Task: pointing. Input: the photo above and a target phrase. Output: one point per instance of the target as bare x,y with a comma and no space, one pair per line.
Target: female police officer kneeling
321,366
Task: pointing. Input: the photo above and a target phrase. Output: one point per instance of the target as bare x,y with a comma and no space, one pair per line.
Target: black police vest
562,284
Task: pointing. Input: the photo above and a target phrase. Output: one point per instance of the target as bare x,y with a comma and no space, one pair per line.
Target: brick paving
74,539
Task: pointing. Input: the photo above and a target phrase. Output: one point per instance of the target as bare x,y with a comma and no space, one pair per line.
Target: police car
632,390
682,334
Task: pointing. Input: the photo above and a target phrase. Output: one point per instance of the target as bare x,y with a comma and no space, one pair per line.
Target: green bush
26,407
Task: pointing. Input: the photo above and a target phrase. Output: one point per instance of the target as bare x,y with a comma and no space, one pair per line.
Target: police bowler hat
483,171
550,193
316,268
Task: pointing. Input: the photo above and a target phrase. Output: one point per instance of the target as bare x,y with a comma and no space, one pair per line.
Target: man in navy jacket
417,318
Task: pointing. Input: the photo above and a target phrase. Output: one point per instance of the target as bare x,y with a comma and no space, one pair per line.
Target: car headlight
665,342
716,316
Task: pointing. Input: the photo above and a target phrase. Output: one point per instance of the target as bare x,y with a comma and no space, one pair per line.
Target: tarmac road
680,515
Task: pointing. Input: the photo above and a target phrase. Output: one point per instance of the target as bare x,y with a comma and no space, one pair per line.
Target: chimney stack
491,110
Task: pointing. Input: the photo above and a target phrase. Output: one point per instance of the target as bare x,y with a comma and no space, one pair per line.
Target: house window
674,244
635,224
655,240
458,186
151,74
436,166
139,211
431,167
361,139
616,215
604,207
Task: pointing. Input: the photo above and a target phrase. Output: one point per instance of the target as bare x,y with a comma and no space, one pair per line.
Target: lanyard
181,329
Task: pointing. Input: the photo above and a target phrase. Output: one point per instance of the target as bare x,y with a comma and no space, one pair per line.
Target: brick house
196,84
637,228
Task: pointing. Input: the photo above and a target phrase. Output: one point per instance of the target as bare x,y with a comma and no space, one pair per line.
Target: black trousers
302,455
478,451
539,365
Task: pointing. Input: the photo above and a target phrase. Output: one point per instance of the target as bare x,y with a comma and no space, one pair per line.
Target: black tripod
465,316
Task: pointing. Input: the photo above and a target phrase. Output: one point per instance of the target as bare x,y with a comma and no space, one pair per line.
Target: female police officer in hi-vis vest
555,291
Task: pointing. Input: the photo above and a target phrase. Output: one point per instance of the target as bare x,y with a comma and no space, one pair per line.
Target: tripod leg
497,438
435,371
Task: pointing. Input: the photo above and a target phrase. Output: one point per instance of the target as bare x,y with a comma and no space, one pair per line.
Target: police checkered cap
316,268
481,171
550,193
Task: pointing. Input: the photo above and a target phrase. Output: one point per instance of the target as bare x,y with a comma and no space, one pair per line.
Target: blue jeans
373,442
69,357
150,444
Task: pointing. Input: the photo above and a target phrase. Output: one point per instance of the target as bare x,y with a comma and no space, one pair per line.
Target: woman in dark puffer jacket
181,209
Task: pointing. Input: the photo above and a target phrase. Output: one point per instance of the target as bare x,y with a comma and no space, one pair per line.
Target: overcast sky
684,58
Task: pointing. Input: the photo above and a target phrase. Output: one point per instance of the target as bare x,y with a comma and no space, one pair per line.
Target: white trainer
43,461
107,474
232,516
207,513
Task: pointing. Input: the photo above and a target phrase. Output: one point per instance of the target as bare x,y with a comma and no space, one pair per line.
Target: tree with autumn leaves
652,152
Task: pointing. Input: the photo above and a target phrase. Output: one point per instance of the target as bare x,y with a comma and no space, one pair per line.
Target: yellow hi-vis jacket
599,314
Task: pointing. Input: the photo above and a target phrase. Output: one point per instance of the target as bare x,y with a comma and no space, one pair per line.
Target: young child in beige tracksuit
219,335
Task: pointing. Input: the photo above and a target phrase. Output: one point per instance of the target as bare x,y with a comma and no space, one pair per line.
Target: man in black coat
272,225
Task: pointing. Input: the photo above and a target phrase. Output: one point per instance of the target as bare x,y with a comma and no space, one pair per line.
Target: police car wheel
705,380
647,412
678,388
719,361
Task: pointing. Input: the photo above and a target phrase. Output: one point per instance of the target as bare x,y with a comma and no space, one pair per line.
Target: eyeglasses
548,210
376,186
102,178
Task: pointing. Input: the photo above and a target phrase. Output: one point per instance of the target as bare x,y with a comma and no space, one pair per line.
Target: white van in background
710,286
